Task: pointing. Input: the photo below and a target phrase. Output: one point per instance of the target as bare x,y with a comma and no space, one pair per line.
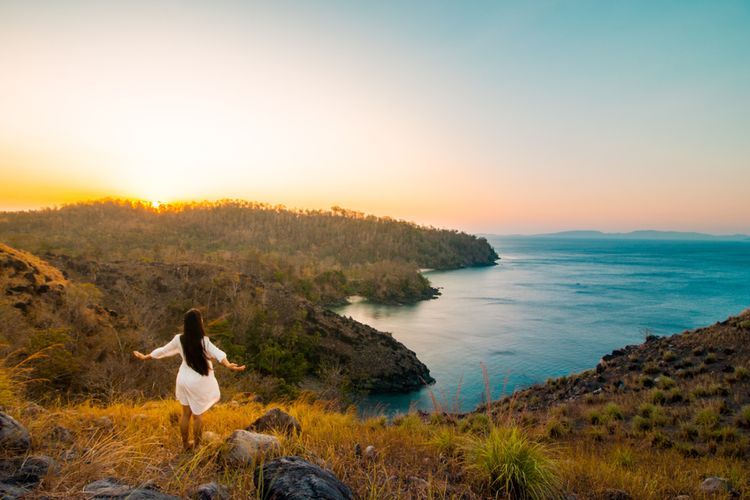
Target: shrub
707,418
743,417
704,391
651,369
613,412
624,457
558,427
595,417
688,431
510,464
641,424
668,356
675,396
647,410
646,382
590,399
660,440
740,374
446,440
477,423
658,397
710,358
665,382
699,351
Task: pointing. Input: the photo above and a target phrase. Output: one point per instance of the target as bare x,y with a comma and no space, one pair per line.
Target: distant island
637,235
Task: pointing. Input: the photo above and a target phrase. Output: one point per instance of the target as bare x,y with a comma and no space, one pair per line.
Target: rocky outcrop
244,448
292,478
28,472
333,339
276,420
716,349
13,436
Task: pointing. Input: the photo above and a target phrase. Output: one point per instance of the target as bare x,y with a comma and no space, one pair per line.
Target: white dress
199,392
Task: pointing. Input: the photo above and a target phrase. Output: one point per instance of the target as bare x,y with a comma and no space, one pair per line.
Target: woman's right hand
141,356
233,366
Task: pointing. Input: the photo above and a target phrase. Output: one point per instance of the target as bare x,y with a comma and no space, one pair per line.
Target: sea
551,307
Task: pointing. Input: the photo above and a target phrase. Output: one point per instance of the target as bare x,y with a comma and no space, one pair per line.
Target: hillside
324,256
87,318
585,436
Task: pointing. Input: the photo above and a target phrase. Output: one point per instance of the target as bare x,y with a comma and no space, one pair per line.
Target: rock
278,420
106,488
13,436
245,447
613,494
716,485
112,488
371,453
210,491
60,434
292,478
31,471
10,492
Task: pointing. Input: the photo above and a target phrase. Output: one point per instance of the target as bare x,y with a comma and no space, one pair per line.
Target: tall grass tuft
511,464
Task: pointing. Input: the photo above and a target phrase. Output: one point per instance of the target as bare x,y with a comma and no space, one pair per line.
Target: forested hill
323,255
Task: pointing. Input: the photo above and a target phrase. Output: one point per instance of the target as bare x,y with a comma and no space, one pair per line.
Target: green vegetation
322,255
512,465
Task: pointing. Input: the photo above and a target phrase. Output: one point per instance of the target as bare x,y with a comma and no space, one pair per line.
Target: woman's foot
188,446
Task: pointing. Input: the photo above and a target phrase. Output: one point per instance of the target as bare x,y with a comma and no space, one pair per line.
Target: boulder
106,488
111,488
292,478
60,434
210,491
276,419
715,485
245,447
29,472
11,492
13,436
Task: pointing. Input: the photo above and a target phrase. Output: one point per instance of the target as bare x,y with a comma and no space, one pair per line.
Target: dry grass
417,456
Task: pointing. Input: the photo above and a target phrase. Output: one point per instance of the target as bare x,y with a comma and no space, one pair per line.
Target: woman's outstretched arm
221,356
172,348
232,366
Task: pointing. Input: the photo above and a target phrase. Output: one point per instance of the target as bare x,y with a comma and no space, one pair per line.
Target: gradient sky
484,116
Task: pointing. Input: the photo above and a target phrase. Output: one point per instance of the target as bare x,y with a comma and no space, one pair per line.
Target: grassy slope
601,441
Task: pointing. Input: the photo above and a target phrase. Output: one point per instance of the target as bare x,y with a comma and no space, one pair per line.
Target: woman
197,388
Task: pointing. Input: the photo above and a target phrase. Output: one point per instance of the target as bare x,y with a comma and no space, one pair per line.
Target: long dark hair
192,342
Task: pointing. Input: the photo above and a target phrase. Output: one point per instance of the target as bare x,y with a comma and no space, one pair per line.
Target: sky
497,117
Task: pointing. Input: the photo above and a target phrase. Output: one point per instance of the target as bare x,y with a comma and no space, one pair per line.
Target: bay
554,306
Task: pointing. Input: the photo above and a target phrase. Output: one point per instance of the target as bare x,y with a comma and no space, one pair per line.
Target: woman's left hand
140,355
235,367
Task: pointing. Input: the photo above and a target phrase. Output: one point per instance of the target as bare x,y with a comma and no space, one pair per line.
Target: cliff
97,313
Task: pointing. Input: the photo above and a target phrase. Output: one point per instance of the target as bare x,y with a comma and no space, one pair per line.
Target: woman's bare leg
185,426
197,428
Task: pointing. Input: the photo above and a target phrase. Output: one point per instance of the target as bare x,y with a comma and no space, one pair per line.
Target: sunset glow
490,117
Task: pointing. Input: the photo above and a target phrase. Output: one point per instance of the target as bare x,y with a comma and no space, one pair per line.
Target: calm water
555,306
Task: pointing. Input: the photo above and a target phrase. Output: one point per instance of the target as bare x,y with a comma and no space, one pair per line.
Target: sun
155,204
